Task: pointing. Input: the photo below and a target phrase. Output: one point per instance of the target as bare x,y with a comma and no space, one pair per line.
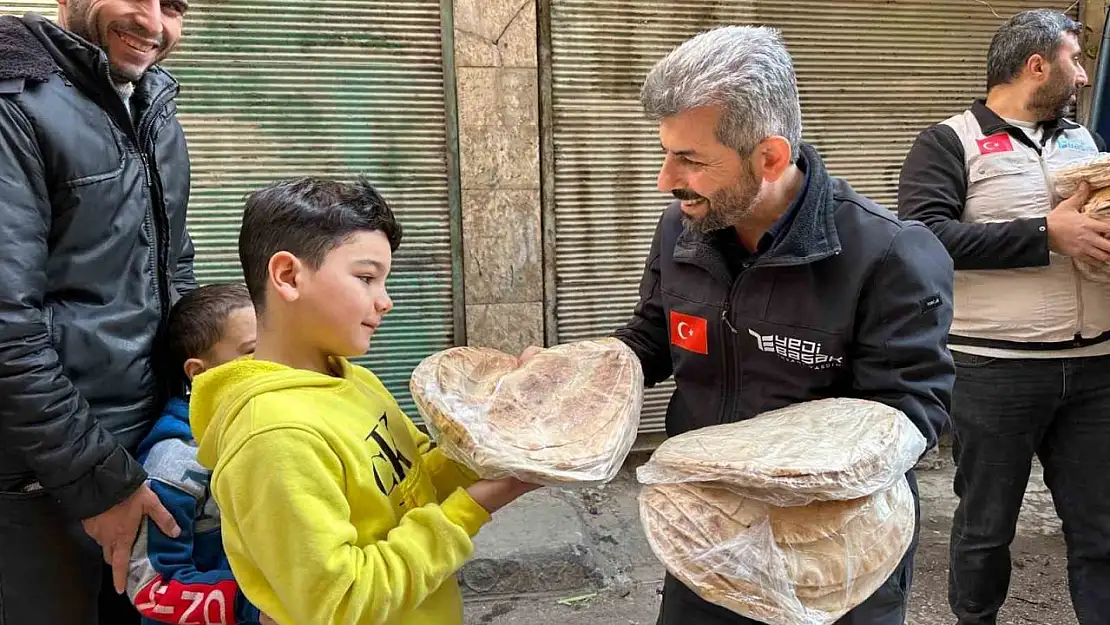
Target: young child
336,508
187,580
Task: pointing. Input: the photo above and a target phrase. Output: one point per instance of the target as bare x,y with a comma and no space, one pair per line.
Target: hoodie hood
220,394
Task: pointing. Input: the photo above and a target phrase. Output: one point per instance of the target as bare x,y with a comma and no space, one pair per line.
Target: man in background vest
1031,335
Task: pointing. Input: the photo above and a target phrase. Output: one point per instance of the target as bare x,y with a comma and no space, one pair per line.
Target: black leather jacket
93,252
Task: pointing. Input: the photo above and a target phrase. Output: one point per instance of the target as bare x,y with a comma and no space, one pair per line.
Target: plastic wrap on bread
806,565
568,416
820,450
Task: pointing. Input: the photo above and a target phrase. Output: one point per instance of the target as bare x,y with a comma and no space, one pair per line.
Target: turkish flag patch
689,332
995,143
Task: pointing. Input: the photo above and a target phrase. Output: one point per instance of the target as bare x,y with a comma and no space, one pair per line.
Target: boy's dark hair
308,218
1040,31
196,321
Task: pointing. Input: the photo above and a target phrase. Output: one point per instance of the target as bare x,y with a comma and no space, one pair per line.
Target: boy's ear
193,368
285,271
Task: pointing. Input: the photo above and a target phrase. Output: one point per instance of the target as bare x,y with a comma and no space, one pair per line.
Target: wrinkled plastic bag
805,565
1066,179
820,450
568,416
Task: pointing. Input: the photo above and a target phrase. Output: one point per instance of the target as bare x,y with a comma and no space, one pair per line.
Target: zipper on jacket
48,319
728,354
724,317
157,211
155,220
150,230
151,221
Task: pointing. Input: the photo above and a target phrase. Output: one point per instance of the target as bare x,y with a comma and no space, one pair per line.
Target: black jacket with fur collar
93,252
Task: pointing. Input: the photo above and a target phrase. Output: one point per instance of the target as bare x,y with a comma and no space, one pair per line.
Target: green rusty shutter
872,74
328,88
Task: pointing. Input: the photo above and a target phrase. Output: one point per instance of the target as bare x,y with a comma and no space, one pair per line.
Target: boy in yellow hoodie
335,507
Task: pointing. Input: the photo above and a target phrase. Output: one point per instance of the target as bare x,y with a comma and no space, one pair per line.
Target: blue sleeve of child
168,587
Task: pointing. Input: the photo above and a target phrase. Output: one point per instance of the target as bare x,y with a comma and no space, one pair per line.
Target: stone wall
495,57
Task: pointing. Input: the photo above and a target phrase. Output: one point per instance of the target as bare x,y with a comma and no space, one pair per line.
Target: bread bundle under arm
1096,172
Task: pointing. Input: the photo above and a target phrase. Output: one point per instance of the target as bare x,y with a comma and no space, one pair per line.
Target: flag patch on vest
995,143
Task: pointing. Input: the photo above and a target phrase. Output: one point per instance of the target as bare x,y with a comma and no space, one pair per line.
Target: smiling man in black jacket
94,181
771,283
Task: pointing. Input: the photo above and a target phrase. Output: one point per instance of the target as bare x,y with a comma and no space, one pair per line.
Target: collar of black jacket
810,236
991,122
22,57
81,62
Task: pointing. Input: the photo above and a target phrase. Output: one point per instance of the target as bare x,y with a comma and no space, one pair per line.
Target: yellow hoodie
333,509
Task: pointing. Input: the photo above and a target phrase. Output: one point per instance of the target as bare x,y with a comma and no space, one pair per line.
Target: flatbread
1098,207
1095,171
826,449
803,565
568,415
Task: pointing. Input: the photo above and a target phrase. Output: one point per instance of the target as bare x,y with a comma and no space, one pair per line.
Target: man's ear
193,368
1038,67
772,157
285,273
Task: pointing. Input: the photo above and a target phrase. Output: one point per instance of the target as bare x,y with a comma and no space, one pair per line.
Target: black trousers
51,572
887,606
1004,412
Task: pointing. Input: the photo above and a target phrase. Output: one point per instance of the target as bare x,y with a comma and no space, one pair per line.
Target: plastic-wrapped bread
820,450
567,416
805,565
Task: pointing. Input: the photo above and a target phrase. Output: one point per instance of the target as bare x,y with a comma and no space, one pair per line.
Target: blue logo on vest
1065,143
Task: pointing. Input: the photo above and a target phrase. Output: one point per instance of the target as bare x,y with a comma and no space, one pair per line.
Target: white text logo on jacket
798,351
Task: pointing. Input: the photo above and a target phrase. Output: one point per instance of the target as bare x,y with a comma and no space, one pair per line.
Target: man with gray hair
769,282
1031,334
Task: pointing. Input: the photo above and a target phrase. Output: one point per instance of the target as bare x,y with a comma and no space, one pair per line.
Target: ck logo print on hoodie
390,465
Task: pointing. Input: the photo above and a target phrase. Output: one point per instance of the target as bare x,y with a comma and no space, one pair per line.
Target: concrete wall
495,56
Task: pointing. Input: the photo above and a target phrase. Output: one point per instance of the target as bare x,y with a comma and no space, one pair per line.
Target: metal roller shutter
872,74
286,88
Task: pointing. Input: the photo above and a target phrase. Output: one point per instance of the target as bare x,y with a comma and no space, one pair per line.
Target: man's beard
726,208
1054,99
81,21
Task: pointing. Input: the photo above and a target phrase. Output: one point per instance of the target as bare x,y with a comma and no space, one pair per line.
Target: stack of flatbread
791,518
1096,171
567,416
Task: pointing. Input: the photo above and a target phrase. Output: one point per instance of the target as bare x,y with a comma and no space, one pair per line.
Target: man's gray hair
1030,32
745,71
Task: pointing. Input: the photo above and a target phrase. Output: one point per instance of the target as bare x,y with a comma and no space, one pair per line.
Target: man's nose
148,15
666,180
